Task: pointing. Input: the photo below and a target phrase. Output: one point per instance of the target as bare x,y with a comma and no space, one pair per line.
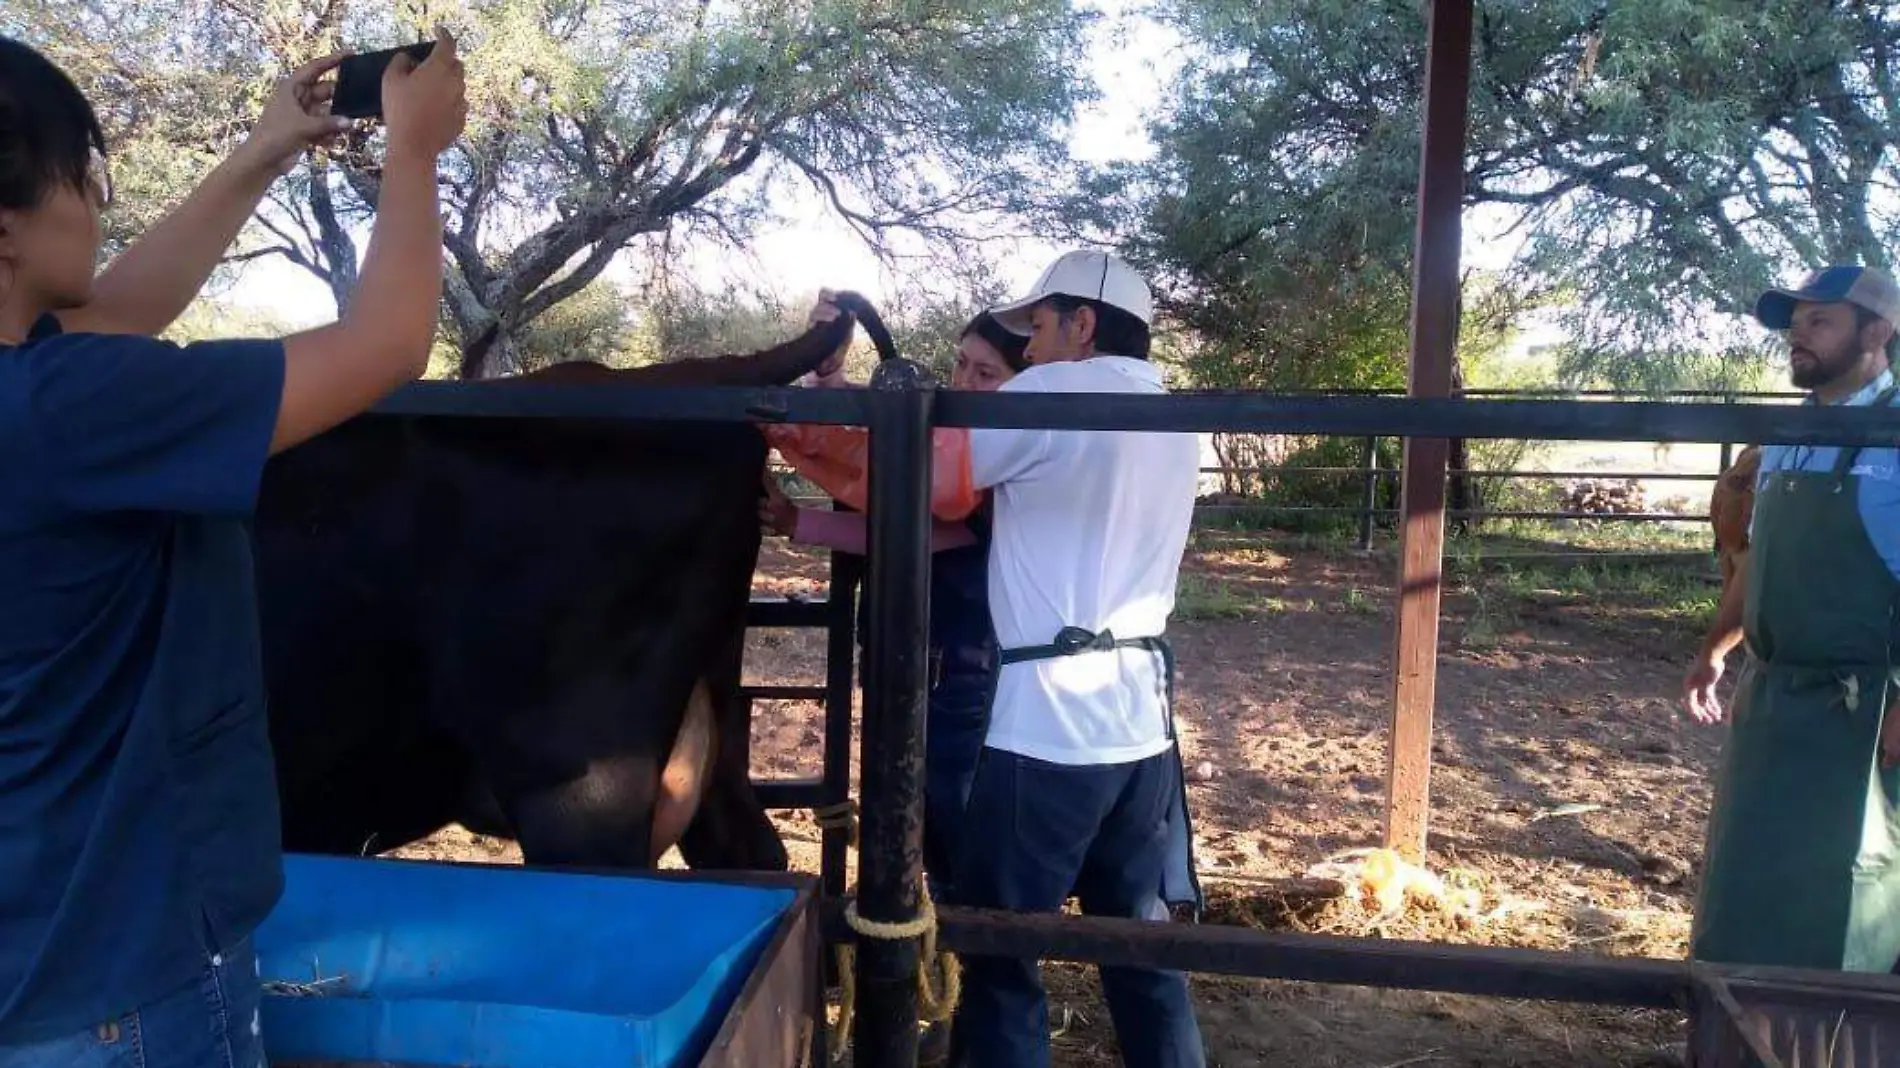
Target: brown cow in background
1730,507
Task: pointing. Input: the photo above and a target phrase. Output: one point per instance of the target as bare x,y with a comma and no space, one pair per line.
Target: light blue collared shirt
1878,470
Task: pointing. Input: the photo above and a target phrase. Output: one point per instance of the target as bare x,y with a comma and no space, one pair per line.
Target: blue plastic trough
403,963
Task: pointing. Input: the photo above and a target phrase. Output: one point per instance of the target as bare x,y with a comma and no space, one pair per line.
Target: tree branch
605,249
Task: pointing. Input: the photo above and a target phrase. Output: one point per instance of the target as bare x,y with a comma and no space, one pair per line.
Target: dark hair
1005,341
48,130
1117,333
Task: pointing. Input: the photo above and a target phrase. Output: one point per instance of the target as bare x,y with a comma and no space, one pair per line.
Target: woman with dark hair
962,645
139,842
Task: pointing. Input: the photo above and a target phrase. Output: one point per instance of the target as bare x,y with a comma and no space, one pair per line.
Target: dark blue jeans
213,1023
958,718
1049,830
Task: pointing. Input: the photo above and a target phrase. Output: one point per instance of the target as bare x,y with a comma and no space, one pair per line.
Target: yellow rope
939,975
843,815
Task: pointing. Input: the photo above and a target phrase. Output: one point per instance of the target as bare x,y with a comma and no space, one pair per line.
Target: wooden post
1434,352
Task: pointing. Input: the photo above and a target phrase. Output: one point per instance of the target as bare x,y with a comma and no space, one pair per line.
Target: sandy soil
1567,796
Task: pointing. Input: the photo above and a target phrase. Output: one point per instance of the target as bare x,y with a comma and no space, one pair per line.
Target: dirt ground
1568,798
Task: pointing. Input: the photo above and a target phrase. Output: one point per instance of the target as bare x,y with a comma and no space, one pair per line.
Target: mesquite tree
1665,159
595,123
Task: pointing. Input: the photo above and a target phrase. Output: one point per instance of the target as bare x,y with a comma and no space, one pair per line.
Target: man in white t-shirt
1079,776
1079,787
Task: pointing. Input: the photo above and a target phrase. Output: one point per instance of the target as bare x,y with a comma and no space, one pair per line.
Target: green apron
1803,854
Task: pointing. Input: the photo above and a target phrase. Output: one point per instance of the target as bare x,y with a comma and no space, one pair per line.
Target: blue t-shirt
138,810
1877,469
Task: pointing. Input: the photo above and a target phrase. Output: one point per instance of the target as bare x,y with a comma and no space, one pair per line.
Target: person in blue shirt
138,817
1802,864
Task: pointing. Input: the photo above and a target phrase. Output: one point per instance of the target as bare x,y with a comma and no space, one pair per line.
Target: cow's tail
873,324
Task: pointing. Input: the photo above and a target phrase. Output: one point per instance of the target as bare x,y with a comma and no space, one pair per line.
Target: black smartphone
359,80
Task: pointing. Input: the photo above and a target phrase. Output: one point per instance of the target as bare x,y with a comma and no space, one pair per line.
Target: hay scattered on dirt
1382,896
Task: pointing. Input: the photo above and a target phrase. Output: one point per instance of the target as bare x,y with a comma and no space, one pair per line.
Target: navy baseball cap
1862,286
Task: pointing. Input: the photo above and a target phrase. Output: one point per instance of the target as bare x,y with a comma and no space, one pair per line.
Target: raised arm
337,371
152,282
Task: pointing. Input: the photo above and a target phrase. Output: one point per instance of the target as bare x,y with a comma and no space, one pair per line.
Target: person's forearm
842,531
398,293
382,341
151,283
1726,632
846,532
836,458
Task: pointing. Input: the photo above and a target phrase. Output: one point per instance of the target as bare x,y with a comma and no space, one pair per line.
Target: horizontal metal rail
1375,962
613,401
1568,420
1424,418
1275,470
1451,513
780,612
1558,391
790,793
785,693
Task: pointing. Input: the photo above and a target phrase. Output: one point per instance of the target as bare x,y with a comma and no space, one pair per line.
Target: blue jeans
213,1023
1048,830
958,718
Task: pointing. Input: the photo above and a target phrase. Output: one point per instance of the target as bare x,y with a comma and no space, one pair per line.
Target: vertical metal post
1422,499
890,859
840,658
1728,448
1369,502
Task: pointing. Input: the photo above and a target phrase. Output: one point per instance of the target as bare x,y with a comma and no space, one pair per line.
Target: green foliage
1199,598
1294,488
210,320
596,324
686,323
1316,339
597,123
1664,162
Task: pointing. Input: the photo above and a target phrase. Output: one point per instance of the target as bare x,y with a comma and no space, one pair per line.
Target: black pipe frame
896,679
1549,420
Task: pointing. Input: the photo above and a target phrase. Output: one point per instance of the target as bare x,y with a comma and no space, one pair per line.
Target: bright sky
810,248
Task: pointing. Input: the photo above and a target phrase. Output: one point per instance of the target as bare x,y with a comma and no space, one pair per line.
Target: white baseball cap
1089,275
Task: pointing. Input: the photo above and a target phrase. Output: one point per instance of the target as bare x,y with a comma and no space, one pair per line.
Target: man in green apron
1802,866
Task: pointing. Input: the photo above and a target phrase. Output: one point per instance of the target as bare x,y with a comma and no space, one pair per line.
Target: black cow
535,631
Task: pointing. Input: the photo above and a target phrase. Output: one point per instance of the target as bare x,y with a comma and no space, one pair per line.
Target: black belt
1074,641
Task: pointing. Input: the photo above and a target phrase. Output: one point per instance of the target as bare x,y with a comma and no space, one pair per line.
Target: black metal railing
900,409
1373,480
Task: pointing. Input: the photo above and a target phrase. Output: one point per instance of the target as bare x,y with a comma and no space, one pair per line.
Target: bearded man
1802,866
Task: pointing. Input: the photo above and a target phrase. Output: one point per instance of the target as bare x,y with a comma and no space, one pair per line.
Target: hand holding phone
359,80
424,104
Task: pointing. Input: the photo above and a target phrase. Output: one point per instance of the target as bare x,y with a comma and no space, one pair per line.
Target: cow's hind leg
601,819
688,769
625,810
731,830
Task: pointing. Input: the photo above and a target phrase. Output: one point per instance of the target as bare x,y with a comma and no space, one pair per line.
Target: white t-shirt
1089,531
